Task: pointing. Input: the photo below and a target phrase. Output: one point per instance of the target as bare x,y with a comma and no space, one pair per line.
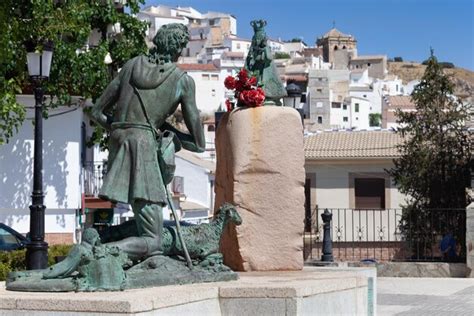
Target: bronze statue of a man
147,90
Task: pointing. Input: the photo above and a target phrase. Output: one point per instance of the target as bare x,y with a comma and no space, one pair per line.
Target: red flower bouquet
247,92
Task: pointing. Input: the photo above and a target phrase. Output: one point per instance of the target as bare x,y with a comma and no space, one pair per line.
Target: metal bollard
327,242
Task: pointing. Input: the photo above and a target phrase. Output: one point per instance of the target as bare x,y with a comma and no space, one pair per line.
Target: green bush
15,260
281,55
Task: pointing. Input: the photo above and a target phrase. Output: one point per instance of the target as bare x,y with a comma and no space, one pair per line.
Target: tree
375,119
435,166
281,55
78,66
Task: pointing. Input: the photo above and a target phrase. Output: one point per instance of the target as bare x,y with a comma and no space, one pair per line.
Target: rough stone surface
260,169
421,269
470,241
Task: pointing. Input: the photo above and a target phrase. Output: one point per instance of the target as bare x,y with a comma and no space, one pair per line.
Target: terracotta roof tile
400,101
198,67
354,144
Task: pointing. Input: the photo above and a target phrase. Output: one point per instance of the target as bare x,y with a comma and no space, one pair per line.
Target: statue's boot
149,221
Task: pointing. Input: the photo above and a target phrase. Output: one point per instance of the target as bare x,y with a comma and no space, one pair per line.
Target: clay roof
351,145
294,77
400,101
233,54
197,67
315,51
335,33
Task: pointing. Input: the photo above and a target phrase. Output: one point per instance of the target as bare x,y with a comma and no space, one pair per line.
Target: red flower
252,98
243,76
252,81
228,104
239,86
229,83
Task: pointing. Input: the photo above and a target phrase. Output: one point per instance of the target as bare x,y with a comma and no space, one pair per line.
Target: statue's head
230,213
258,25
170,40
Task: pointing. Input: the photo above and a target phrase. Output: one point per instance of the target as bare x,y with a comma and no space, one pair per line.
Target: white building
209,82
194,182
63,148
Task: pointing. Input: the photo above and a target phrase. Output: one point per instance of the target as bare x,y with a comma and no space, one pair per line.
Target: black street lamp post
39,64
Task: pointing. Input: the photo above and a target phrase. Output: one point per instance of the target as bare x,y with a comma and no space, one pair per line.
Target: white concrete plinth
313,291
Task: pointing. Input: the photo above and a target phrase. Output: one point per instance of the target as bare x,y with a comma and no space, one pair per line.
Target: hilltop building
334,42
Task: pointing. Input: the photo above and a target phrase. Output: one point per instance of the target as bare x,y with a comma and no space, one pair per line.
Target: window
211,128
344,47
356,109
319,104
320,120
238,45
396,87
335,105
319,89
368,64
212,22
205,77
365,95
345,119
369,193
215,77
344,106
335,47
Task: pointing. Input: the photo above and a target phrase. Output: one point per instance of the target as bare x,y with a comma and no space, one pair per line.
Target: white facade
239,45
332,181
197,184
61,175
209,90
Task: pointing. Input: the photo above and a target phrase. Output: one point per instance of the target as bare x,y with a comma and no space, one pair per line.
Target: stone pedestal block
260,169
470,240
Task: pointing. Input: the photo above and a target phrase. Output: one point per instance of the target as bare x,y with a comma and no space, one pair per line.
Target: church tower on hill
334,41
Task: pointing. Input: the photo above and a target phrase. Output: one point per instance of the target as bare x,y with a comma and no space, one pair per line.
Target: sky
405,28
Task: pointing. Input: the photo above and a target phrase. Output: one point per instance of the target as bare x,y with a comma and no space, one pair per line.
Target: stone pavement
425,296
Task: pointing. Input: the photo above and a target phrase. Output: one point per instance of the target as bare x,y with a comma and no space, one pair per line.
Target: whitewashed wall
197,186
61,176
209,90
332,182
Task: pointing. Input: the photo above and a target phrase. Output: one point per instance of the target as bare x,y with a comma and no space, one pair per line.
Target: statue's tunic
133,169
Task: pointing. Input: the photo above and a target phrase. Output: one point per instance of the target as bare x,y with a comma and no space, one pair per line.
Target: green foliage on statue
435,167
78,30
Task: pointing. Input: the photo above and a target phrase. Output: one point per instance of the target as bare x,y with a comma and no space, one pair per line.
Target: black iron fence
389,235
93,173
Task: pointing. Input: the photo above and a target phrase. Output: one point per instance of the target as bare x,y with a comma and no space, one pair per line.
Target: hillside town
149,147
347,103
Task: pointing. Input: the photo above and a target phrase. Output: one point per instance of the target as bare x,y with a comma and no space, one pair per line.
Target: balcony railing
94,172
389,235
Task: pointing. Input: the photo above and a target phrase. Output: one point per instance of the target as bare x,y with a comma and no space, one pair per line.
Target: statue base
154,271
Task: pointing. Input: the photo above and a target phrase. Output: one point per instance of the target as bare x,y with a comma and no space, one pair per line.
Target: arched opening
211,128
335,47
344,47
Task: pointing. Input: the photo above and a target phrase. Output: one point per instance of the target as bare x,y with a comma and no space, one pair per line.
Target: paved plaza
425,296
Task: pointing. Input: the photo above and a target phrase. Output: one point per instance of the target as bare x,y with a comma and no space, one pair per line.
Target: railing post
327,242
